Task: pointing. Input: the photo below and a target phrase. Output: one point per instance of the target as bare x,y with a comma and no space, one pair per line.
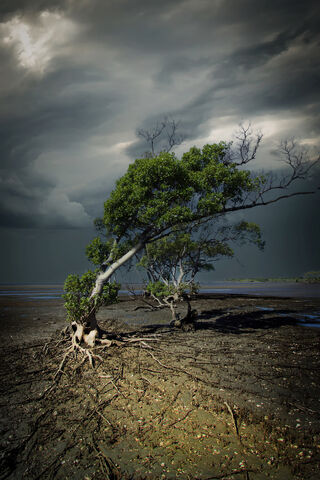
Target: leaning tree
161,194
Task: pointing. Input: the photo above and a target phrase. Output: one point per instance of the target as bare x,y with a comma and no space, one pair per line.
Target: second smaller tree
173,262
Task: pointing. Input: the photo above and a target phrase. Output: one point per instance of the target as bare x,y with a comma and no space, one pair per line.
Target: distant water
272,289
265,289
32,292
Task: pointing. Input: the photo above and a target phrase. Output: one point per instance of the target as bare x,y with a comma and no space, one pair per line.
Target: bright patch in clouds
36,44
58,208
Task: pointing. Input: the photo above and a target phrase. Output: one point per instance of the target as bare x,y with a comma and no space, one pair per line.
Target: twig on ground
144,378
104,418
233,418
63,362
234,472
302,408
162,364
115,386
178,420
73,349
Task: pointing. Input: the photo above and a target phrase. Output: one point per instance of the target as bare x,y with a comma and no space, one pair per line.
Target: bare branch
265,202
164,135
247,145
173,138
151,136
298,159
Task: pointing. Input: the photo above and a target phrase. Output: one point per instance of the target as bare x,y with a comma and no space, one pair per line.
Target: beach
238,398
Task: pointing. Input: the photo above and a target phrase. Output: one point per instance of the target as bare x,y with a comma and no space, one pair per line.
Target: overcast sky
79,77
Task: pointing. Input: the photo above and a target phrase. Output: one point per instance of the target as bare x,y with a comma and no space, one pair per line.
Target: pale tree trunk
87,329
171,302
175,318
103,277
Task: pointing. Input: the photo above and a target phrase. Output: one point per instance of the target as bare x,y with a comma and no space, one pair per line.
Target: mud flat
238,398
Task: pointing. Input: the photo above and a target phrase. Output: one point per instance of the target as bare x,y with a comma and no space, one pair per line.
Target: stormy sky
79,77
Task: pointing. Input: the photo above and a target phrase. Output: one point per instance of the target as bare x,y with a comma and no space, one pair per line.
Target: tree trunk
175,317
188,322
103,277
87,329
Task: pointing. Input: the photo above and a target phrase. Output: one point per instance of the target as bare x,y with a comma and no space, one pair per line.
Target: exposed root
60,371
74,350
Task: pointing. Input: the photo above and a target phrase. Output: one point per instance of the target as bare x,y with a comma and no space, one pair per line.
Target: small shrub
77,297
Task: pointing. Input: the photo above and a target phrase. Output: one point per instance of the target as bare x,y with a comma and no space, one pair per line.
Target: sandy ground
238,398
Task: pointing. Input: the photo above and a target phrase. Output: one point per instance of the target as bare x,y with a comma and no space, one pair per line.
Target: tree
173,262
160,195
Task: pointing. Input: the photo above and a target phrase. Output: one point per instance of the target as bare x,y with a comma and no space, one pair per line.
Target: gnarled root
75,349
83,339
89,336
187,323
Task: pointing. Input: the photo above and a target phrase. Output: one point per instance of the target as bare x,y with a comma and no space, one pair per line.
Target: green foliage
312,277
249,232
164,191
165,194
77,295
167,256
160,289
98,251
180,256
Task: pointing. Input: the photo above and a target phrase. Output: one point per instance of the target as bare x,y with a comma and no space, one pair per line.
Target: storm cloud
79,77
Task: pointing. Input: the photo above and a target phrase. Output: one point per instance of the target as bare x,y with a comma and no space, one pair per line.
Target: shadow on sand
245,322
221,320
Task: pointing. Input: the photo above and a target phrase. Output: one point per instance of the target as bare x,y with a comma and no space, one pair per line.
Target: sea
272,289
30,292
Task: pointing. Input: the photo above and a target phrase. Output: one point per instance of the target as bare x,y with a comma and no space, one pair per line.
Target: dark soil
238,398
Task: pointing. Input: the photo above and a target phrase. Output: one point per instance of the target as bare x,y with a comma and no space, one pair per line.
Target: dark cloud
9,8
77,79
31,201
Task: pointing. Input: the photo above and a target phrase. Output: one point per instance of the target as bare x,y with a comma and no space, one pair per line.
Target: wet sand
237,398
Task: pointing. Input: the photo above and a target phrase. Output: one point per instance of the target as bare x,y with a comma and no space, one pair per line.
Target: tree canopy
159,193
